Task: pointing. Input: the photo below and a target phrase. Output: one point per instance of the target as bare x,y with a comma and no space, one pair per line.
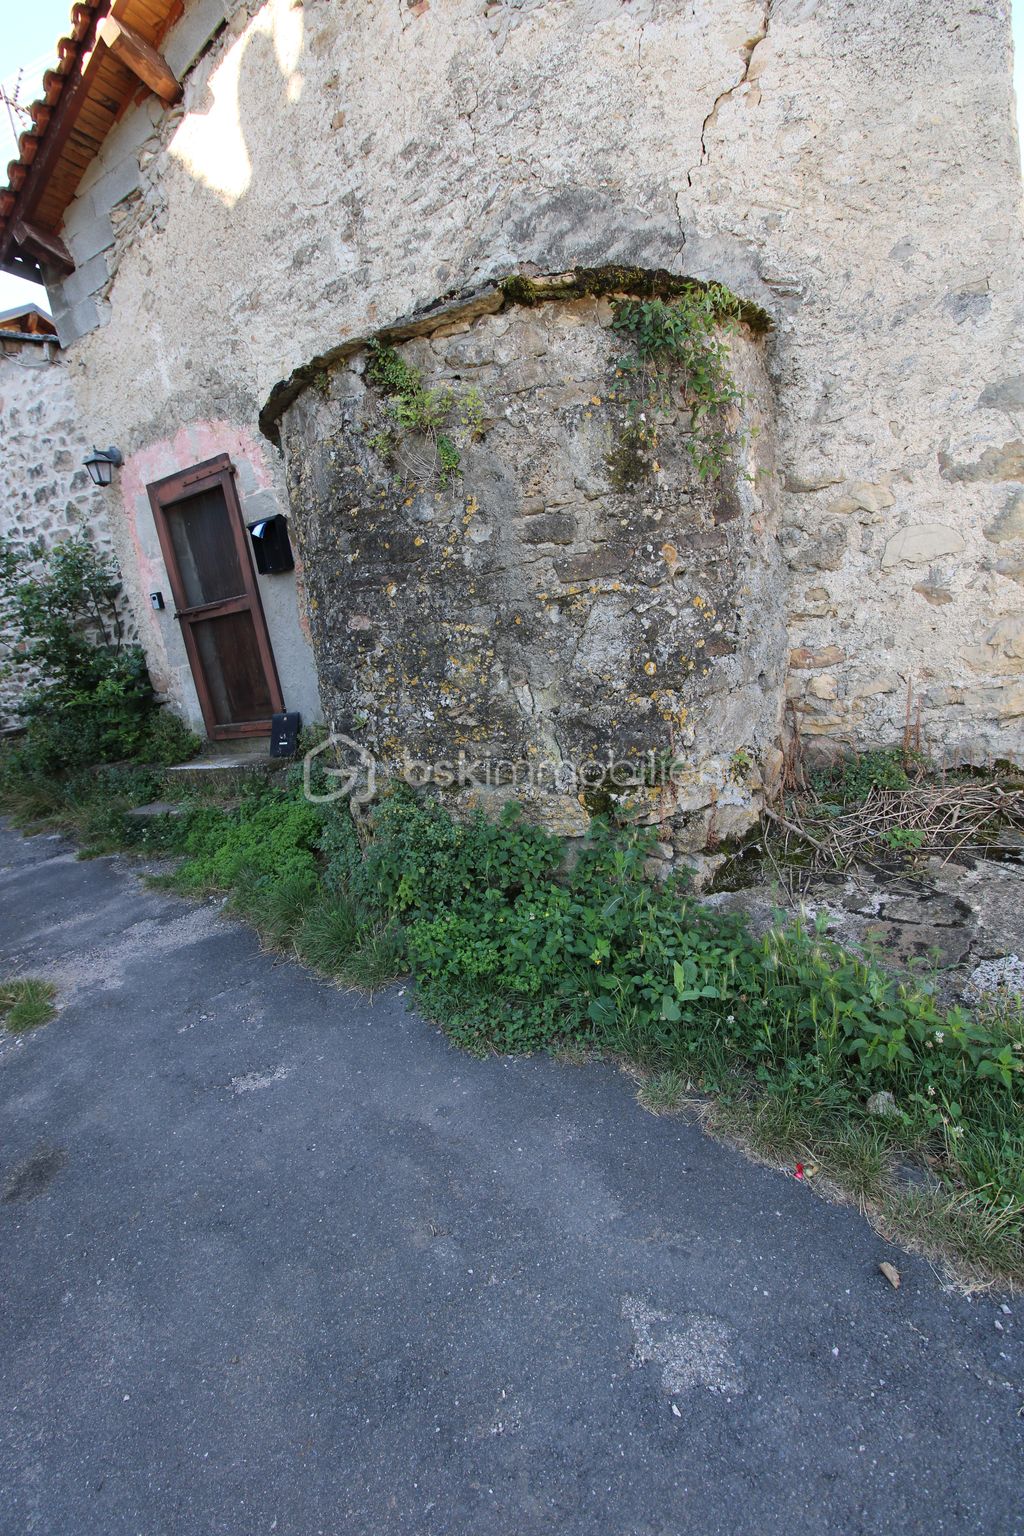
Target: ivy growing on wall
422,431
679,357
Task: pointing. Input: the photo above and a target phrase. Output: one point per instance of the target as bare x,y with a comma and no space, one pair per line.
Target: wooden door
206,551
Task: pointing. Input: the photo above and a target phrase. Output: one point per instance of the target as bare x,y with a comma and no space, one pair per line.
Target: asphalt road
274,1258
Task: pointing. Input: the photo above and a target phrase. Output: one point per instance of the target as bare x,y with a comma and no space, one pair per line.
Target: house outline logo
348,775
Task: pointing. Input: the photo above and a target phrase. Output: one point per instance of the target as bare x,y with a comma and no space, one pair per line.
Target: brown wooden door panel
216,599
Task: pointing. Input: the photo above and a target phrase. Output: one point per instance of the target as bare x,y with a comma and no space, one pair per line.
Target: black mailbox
284,734
272,545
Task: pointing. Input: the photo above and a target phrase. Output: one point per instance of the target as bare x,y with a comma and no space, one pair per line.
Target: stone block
118,183
827,656
89,237
1006,639
920,543
86,279
1003,463
193,32
1010,522
824,550
937,596
1004,395
549,528
77,321
610,561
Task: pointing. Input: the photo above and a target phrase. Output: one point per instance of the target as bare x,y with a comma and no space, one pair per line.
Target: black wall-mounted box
284,734
271,545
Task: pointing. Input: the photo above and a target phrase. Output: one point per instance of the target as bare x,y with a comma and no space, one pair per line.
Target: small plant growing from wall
679,356
423,431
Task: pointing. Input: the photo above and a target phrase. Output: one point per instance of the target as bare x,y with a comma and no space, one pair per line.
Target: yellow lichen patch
650,667
418,540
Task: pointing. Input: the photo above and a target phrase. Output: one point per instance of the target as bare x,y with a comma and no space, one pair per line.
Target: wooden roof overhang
109,58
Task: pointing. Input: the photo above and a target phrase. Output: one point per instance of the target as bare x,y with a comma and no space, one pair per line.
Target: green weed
680,357
330,931
26,1003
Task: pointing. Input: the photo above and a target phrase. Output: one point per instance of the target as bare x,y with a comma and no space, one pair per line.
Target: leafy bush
88,697
851,779
513,948
270,837
512,954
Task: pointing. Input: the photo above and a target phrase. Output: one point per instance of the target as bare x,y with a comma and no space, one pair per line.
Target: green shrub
421,861
270,835
851,779
439,420
88,697
679,356
339,848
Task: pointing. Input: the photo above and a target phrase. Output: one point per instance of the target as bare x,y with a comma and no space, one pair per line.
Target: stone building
45,491
230,204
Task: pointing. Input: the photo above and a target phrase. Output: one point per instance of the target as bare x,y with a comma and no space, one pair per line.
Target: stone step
156,808
221,765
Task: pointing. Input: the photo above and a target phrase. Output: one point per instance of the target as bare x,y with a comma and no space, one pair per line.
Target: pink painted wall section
145,572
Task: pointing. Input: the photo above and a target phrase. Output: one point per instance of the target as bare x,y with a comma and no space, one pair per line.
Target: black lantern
101,464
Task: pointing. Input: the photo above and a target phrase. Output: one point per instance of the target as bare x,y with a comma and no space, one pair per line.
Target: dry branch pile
949,818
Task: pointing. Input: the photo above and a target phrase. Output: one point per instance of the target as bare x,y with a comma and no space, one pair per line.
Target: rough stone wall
45,491
852,166
571,603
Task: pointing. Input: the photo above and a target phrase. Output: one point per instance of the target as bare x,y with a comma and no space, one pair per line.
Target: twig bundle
950,817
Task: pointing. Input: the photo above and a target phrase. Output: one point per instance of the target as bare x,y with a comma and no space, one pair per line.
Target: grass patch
979,1241
25,1003
275,908
330,931
663,1093
377,960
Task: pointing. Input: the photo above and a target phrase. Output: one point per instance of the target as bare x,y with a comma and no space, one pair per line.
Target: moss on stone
628,465
635,282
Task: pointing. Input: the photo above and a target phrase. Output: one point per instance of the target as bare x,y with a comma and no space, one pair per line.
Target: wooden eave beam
136,55
140,57
52,142
42,246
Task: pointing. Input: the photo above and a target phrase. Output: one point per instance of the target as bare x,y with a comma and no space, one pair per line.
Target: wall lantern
101,464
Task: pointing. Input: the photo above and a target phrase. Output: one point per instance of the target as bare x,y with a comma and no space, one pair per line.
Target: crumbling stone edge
518,287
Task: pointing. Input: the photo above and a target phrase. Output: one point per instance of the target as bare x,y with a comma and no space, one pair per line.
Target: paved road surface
274,1258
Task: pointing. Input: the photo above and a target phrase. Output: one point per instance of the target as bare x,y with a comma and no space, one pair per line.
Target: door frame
164,494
